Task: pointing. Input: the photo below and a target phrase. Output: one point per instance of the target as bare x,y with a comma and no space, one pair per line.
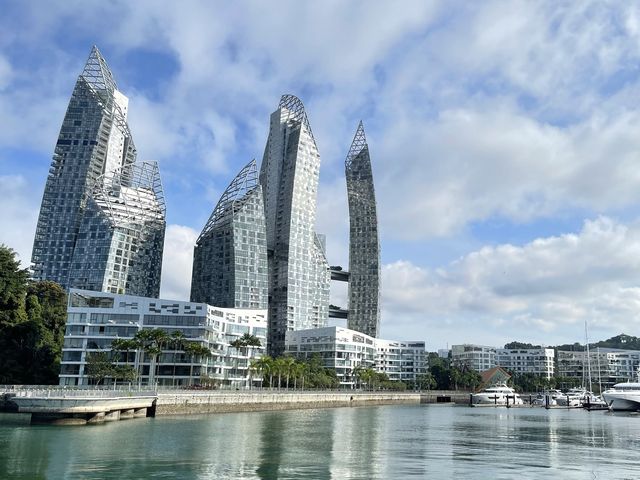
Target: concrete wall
218,402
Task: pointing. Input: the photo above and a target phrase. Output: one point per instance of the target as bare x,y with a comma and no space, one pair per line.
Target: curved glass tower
364,243
298,270
94,138
230,256
121,236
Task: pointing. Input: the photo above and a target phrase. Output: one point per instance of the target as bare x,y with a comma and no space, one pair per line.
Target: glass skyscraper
364,243
94,143
121,237
298,269
230,256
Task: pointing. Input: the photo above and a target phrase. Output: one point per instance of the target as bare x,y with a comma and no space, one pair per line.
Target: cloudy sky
504,138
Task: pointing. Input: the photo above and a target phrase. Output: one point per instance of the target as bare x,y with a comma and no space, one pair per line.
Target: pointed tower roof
296,111
358,145
245,182
97,74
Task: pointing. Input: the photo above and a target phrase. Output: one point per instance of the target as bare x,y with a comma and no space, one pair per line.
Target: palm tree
151,341
126,345
357,373
238,344
254,366
288,364
265,365
246,340
177,342
195,349
297,371
279,366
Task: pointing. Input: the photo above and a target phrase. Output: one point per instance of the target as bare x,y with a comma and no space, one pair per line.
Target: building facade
476,357
337,348
401,361
347,350
94,139
230,256
608,366
538,361
95,319
364,242
298,270
121,236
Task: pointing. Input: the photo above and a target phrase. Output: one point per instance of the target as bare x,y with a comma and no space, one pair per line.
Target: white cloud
540,291
177,261
469,165
18,215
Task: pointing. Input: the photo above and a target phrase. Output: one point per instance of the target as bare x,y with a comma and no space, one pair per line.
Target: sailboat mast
586,339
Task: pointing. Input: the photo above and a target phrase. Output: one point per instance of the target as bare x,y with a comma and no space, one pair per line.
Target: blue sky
503,134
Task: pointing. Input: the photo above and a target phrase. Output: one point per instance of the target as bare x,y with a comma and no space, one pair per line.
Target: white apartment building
344,350
401,361
608,365
95,319
539,361
476,357
338,348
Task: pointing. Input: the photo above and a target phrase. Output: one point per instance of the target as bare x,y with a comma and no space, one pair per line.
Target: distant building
476,357
95,319
401,361
298,269
608,365
538,361
230,256
344,350
364,242
444,352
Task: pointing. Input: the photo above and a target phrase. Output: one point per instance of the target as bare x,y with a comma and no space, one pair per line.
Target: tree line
32,325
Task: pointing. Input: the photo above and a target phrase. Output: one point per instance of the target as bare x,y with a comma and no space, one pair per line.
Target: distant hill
623,341
626,342
521,345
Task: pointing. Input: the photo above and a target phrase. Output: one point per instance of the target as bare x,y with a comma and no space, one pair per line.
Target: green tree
425,381
13,288
32,322
195,350
99,366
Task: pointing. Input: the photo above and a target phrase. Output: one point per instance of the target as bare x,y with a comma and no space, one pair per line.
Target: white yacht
496,395
573,398
541,398
623,396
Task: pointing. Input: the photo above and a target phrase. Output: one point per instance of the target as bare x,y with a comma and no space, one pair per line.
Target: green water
342,443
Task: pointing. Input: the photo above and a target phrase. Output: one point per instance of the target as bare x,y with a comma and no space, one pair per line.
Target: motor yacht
496,395
541,398
573,398
623,396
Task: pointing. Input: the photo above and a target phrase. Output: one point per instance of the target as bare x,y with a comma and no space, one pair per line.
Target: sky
503,137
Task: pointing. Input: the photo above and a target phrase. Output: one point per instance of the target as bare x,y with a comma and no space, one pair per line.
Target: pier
64,406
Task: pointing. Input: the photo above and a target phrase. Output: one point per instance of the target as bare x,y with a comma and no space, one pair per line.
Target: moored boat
496,395
623,396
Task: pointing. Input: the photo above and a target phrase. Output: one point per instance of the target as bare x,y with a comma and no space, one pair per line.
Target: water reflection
345,443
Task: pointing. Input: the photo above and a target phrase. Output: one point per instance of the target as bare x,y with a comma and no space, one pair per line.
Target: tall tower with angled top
121,237
364,243
298,269
230,256
94,140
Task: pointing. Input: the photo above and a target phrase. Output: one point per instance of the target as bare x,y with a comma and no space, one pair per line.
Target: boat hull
622,402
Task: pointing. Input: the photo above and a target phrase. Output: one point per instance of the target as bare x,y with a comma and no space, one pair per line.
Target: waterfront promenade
97,404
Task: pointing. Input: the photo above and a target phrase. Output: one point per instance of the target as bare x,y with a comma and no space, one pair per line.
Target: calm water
341,443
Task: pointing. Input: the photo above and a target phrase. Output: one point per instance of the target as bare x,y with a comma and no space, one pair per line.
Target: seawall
178,403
